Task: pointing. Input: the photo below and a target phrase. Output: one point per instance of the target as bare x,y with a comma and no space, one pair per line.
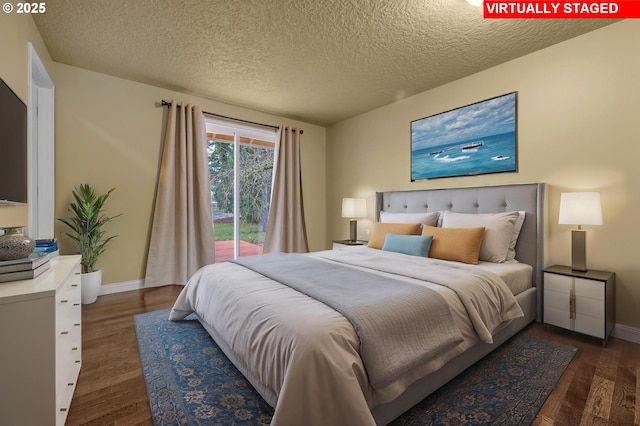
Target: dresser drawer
68,301
68,313
68,356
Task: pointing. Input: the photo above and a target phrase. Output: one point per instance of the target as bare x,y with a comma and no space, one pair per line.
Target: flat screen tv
13,147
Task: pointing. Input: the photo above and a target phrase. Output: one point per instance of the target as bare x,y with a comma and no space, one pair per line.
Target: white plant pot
90,283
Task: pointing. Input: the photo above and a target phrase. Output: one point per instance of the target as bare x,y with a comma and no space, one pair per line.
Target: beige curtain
182,231
286,230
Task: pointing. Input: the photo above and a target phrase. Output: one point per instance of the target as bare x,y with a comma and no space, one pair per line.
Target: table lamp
579,208
354,208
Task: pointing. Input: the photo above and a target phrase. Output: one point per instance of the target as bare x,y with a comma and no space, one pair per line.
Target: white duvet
301,355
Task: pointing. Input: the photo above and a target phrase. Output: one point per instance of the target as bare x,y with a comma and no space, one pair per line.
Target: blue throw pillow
415,245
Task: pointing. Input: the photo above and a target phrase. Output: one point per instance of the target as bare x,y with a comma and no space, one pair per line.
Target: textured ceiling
319,61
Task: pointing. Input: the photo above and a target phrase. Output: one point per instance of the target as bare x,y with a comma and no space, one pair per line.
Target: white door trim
41,148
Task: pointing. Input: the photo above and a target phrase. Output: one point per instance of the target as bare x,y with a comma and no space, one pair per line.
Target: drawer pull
70,384
76,304
78,362
76,325
572,304
64,332
74,285
74,349
64,301
63,410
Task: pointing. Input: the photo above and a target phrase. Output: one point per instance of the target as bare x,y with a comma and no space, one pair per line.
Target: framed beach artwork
472,140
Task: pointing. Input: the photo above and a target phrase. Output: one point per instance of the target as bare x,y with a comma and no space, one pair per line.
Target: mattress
517,276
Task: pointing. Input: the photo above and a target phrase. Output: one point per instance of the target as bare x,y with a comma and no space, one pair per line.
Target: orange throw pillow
457,244
380,231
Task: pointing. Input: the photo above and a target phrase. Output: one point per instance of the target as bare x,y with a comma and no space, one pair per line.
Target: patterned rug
191,382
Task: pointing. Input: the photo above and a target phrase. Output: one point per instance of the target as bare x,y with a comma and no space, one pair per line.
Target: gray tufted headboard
484,199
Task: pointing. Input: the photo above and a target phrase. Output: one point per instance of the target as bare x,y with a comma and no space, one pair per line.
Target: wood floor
601,385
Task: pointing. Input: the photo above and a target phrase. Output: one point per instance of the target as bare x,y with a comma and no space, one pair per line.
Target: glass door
241,169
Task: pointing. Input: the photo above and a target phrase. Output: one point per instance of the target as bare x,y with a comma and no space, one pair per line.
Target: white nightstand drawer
590,288
590,307
554,299
558,283
589,325
557,317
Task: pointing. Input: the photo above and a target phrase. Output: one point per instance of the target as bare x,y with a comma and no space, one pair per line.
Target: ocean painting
476,139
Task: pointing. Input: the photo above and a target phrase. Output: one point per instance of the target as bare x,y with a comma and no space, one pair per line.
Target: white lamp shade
580,208
354,207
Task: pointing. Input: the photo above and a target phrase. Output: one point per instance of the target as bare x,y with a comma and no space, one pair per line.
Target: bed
308,361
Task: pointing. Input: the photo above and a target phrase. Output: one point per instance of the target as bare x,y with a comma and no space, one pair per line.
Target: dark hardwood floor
601,385
110,389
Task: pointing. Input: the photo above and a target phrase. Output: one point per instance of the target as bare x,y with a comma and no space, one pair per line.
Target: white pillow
429,219
499,231
511,255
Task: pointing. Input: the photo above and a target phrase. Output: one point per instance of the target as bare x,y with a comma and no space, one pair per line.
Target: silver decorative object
14,244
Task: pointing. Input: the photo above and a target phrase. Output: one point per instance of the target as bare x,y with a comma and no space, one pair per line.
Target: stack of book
24,269
47,246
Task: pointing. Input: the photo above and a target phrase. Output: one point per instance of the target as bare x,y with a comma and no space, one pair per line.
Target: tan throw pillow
457,244
380,231
499,230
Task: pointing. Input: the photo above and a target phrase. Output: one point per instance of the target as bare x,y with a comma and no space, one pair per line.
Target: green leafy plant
87,223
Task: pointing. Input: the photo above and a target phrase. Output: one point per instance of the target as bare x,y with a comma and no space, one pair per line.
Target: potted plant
86,224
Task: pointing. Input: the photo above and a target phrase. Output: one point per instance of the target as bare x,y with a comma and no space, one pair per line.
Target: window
241,160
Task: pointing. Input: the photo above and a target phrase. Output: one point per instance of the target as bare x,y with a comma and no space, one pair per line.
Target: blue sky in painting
490,117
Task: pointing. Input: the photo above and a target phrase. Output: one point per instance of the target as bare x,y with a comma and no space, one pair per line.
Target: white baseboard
620,331
625,332
121,287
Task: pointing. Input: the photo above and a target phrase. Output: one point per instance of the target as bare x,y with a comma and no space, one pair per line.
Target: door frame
41,148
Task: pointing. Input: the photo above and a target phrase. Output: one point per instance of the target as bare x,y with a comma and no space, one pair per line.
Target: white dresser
40,345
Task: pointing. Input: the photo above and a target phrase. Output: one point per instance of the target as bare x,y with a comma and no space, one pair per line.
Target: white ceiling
319,61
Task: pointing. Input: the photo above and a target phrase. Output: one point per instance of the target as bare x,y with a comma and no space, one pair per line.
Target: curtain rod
165,103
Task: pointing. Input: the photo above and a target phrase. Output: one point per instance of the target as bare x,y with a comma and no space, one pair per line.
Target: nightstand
340,244
580,301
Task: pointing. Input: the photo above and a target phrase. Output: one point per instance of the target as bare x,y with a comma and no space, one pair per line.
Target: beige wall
16,31
109,134
577,130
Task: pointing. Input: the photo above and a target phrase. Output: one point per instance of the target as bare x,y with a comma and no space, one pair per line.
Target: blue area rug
191,382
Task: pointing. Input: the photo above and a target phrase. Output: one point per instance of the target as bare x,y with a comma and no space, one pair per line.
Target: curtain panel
286,230
182,238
